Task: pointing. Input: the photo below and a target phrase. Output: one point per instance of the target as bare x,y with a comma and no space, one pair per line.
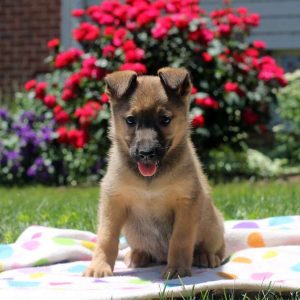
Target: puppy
154,190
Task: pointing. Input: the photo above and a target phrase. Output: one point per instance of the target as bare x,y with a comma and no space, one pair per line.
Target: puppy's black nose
147,154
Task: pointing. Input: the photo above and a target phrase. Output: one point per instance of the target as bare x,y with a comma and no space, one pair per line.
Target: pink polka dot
261,276
31,245
36,235
94,239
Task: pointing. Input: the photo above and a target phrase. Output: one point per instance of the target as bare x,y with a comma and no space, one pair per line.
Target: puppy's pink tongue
147,170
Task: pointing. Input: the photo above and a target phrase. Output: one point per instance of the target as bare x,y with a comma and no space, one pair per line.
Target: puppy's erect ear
120,83
176,80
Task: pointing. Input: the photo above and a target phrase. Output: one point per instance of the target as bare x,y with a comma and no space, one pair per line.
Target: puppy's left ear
120,83
175,80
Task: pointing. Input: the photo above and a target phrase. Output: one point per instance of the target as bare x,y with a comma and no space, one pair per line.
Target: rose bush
234,81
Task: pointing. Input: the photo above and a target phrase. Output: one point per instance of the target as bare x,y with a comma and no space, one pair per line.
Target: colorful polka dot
138,281
41,262
280,221
88,245
5,251
64,241
36,235
246,224
23,284
243,260
227,275
77,269
255,240
37,275
59,283
31,245
296,268
270,254
261,276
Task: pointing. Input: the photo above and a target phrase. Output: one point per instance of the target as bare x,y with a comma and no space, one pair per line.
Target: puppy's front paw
98,270
174,272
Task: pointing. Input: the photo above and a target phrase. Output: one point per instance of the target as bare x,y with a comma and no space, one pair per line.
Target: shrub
234,81
287,133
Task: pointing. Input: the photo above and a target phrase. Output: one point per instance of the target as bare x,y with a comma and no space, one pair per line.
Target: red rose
259,44
224,30
137,67
194,90
68,57
67,95
79,12
198,121
134,55
73,81
249,116
62,135
78,138
242,10
53,43
86,32
40,90
104,98
29,85
129,45
50,101
60,116
207,102
252,20
119,37
180,20
206,57
108,51
109,31
231,87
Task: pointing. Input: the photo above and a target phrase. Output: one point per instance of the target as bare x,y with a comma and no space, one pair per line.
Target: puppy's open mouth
147,170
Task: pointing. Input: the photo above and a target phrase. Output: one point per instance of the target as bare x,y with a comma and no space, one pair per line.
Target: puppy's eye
131,121
165,120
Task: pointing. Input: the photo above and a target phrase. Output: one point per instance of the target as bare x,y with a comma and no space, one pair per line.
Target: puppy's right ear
120,83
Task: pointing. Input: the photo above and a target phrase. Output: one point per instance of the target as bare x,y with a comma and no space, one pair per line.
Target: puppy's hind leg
138,259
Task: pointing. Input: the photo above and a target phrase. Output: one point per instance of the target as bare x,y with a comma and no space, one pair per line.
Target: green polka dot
64,241
139,281
41,262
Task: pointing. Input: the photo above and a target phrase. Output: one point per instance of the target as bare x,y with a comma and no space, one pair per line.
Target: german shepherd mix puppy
154,189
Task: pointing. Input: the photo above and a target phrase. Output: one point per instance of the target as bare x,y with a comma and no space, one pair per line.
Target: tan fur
169,218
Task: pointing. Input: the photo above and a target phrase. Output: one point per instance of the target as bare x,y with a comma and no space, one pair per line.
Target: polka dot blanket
47,263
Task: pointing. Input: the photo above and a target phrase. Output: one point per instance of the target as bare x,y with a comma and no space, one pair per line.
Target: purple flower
12,155
28,116
4,114
31,172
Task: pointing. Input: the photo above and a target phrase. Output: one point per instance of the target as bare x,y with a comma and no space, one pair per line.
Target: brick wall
25,28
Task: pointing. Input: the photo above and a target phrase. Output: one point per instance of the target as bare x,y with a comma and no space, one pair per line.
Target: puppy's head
149,116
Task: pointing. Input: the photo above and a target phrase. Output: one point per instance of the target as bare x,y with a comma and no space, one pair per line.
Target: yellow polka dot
227,275
37,275
256,240
270,254
243,260
89,245
1,267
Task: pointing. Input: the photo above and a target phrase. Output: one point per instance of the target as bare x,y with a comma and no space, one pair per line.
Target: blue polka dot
77,269
280,221
23,284
173,284
296,268
5,251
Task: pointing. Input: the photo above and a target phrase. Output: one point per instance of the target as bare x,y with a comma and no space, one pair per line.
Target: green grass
76,207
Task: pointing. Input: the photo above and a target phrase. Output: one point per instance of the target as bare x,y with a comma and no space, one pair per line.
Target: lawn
76,207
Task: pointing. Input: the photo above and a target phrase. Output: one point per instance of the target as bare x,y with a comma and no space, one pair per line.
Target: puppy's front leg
182,242
112,218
